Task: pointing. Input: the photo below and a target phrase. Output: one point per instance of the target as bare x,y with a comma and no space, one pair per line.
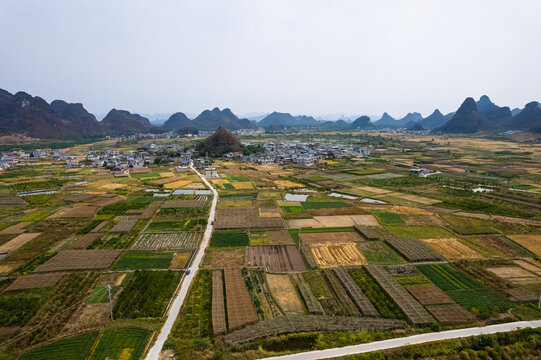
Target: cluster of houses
300,153
18,157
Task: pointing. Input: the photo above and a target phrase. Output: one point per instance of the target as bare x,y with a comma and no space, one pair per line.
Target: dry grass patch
285,184
429,294
337,254
4,269
225,257
284,293
530,265
374,190
167,174
335,221
113,186
179,260
244,185
452,249
224,204
17,242
530,242
82,211
269,212
279,237
509,272
304,223
368,220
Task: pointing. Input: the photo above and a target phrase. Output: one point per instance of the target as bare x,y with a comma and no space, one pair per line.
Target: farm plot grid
355,292
186,240
240,310
277,258
246,218
413,249
68,260
413,310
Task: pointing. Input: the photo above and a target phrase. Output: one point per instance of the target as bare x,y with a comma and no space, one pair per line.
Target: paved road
154,352
410,340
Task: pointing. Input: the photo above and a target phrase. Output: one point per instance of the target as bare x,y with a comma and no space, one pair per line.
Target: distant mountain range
32,116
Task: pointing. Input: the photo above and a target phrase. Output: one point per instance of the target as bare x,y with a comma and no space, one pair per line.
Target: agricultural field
229,238
413,249
275,258
188,240
80,260
240,309
140,260
284,293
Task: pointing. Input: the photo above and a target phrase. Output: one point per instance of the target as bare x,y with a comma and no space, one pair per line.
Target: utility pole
110,300
300,241
539,305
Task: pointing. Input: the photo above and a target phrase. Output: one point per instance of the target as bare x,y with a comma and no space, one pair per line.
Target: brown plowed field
86,240
509,272
316,238
175,204
17,242
151,210
429,294
15,229
240,310
218,308
496,242
35,281
337,254
279,237
124,225
278,258
82,211
69,260
450,313
100,226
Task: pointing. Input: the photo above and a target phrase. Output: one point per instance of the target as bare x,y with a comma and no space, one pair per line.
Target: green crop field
469,226
378,252
447,278
387,218
150,174
100,294
376,295
139,260
364,171
75,348
17,310
479,299
293,209
325,205
124,343
226,238
133,203
317,284
178,225
146,294
228,186
419,232
35,216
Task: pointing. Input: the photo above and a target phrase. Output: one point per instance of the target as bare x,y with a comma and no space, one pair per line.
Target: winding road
409,340
154,352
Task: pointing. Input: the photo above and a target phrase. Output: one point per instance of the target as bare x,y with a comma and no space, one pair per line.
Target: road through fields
409,340
154,352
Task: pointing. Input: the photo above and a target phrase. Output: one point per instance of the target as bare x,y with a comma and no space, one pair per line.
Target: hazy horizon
301,57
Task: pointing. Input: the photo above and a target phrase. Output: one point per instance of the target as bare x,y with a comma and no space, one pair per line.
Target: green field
17,310
228,186
361,172
132,203
378,252
178,225
479,299
293,209
140,260
75,348
419,232
100,294
35,216
226,238
317,284
150,174
469,226
447,278
146,294
123,343
387,218
309,205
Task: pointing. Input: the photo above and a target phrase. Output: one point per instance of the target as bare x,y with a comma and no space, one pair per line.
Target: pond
334,194
296,197
37,192
373,201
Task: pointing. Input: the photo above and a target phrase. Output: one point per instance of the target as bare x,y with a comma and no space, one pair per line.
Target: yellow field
244,185
284,184
530,242
452,249
337,254
285,294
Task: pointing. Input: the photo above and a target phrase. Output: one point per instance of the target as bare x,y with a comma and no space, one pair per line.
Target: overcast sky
299,56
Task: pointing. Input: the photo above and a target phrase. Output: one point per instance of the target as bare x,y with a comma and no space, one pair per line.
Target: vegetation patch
387,217
140,260
227,238
146,294
325,205
124,343
75,348
419,232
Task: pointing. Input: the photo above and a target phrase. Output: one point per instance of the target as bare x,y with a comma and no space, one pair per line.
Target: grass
314,205
17,310
419,232
75,348
378,252
317,284
146,294
140,260
387,218
412,280
316,178
228,186
469,226
295,232
369,171
122,343
178,225
100,294
35,216
227,238
150,174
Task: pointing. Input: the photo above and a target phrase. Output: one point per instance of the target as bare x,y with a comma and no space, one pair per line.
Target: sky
300,56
